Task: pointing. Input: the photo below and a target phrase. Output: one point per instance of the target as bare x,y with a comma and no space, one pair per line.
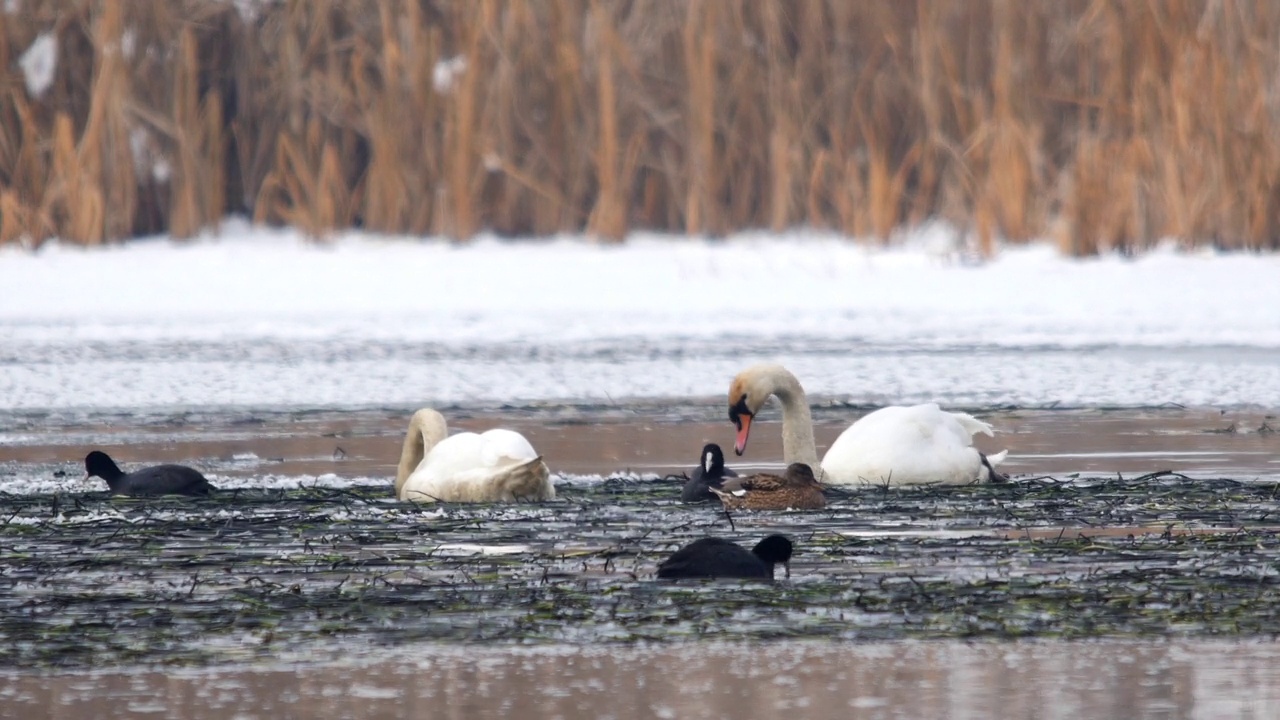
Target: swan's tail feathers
988,472
530,480
973,425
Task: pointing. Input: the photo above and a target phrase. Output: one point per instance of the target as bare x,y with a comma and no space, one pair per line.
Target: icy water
1128,571
61,369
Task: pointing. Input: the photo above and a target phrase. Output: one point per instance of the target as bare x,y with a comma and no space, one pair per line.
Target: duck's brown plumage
796,488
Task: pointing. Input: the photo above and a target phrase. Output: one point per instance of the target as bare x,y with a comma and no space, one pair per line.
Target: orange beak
744,429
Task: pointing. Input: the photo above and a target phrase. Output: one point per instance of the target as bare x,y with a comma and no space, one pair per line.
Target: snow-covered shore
259,316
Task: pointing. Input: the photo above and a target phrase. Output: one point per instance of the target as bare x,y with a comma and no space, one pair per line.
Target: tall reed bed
1104,124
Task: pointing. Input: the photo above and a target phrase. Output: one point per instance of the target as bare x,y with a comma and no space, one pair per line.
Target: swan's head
747,394
712,459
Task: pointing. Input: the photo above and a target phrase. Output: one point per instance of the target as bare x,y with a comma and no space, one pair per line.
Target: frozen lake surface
262,317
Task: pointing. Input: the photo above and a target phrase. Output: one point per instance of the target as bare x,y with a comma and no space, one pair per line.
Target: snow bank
263,316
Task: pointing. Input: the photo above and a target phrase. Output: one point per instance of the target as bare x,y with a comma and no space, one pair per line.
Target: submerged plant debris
90,579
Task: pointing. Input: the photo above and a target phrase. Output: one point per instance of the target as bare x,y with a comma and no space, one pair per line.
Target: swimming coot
709,473
155,480
714,557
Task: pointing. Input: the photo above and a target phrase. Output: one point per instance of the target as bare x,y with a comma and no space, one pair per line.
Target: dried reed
1105,125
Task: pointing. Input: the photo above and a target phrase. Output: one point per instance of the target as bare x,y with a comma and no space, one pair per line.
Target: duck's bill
744,429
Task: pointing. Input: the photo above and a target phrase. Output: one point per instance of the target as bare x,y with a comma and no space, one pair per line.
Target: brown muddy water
1089,587
1105,679
645,439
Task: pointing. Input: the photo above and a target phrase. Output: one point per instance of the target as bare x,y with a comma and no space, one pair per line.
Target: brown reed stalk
96,172
422,168
20,216
559,143
931,134
15,221
1008,190
74,200
700,75
498,130
385,113
462,155
608,217
185,216
213,146
783,93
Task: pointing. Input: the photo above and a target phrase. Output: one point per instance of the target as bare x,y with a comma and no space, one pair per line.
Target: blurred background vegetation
1099,124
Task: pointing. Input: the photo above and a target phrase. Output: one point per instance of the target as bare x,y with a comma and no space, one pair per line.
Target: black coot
710,473
714,557
155,480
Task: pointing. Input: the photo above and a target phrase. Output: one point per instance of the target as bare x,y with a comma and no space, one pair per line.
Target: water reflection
1102,679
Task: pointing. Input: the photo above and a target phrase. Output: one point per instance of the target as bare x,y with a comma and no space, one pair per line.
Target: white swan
493,466
894,445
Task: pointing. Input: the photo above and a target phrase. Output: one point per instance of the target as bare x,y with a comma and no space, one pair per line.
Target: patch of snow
147,155
39,63
466,549
248,10
294,482
587,480
263,317
446,73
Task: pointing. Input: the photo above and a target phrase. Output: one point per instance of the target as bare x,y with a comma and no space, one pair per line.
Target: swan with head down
894,445
493,466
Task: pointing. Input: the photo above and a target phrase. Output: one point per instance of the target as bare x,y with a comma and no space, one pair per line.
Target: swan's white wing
905,445
525,481
966,425
501,448
495,465
455,454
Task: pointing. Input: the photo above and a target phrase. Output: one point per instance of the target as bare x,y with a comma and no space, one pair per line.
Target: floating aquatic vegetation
90,579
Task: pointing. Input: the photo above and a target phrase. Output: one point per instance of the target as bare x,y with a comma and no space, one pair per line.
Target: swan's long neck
425,430
797,422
